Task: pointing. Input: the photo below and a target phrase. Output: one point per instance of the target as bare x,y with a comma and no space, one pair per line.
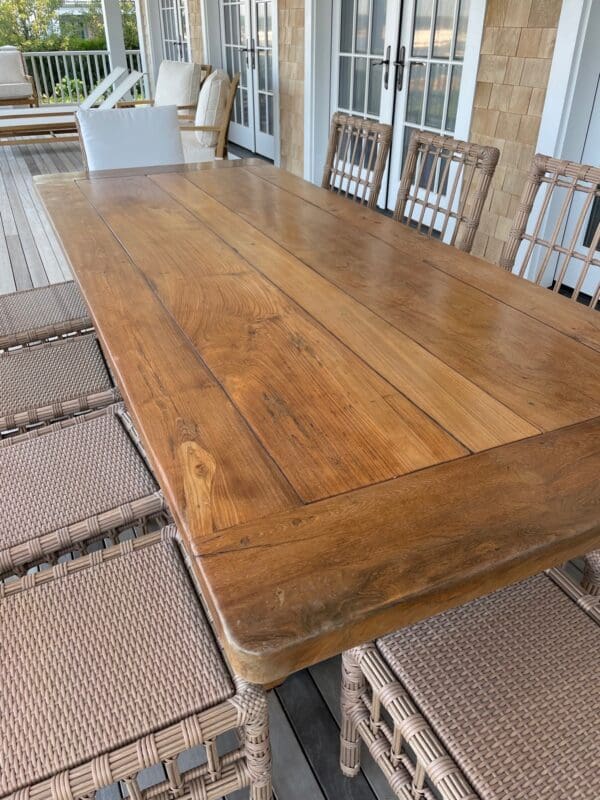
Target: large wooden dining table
355,427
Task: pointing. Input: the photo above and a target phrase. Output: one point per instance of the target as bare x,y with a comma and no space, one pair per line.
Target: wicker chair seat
50,380
501,681
106,661
70,481
38,314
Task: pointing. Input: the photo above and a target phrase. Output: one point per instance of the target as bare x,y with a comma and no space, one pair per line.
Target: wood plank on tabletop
333,574
330,422
523,363
472,416
172,397
570,318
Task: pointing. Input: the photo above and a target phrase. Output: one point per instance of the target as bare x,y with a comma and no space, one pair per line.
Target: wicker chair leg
353,686
258,755
591,573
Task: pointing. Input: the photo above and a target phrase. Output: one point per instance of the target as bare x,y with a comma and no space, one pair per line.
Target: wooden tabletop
355,427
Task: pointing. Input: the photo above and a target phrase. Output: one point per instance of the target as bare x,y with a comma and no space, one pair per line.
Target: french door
404,63
174,30
247,40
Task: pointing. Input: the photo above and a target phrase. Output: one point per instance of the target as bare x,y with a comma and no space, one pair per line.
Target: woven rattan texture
24,313
67,475
499,681
41,376
101,657
591,573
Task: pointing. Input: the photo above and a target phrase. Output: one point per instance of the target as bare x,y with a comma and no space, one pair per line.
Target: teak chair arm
214,128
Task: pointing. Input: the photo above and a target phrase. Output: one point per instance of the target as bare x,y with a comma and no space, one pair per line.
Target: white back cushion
130,137
11,66
177,84
211,106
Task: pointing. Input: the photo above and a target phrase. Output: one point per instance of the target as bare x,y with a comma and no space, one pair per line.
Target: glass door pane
359,51
237,57
174,30
432,47
263,78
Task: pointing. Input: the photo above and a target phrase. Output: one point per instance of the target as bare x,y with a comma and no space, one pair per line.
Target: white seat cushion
11,67
211,106
130,137
16,91
177,84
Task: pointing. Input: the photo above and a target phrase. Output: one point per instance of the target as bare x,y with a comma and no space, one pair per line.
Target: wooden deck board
30,253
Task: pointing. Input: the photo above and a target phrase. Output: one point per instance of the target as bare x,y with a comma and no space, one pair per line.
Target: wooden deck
30,254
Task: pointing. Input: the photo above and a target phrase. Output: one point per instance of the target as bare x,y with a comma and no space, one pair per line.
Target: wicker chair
75,482
554,189
356,157
492,686
557,186
109,667
47,381
37,315
444,185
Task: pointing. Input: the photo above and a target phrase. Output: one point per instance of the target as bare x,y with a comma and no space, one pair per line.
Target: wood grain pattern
503,351
574,320
435,539
171,394
336,434
474,417
311,397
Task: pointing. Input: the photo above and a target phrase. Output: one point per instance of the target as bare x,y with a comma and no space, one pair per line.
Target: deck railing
67,76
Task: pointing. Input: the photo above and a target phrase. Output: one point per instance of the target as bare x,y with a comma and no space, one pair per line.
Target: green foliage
67,89
22,20
30,25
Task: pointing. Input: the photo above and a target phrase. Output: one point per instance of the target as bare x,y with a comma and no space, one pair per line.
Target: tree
24,20
27,23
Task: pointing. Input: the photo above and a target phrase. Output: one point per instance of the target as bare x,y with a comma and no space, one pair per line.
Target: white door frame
318,53
213,54
557,118
563,129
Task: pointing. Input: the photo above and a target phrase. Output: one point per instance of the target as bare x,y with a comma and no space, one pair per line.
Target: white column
113,27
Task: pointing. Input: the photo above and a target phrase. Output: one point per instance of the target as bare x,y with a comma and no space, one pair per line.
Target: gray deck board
30,253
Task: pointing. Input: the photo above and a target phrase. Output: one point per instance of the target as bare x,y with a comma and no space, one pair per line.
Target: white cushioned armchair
206,139
16,86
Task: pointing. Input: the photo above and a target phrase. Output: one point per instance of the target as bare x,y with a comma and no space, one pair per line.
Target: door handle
400,65
250,51
384,62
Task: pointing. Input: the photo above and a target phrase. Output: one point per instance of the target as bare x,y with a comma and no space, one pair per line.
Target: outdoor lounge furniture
72,483
16,86
443,187
130,137
56,379
42,125
480,702
177,84
109,667
35,315
356,157
557,191
207,138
